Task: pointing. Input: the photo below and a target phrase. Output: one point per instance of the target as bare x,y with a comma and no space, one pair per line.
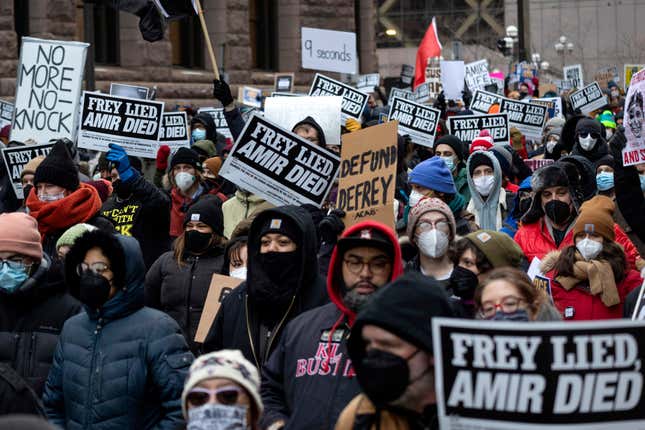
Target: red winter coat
536,241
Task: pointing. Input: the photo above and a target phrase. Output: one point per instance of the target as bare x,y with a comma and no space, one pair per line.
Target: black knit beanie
452,141
479,159
185,156
58,169
282,225
208,210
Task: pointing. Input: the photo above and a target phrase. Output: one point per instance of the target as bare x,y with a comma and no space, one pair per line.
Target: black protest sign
467,127
402,94
132,123
483,100
497,375
422,93
279,165
529,118
353,103
174,130
407,74
284,82
49,81
16,158
589,98
220,120
416,120
6,113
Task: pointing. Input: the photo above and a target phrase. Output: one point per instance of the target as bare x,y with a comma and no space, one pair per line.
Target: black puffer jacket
31,320
181,291
238,324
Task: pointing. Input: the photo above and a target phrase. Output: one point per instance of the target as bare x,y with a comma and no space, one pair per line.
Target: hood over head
486,208
209,123
322,141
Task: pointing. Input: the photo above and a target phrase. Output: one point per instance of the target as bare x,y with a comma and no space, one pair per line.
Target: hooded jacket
238,324
489,213
599,149
122,366
31,320
238,208
209,124
312,122
309,379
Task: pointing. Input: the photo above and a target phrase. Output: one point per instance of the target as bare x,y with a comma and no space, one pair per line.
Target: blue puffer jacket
122,367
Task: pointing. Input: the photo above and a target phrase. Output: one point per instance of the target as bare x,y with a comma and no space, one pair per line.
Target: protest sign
220,287
329,50
354,101
605,75
407,74
589,98
634,151
368,175
366,83
280,166
417,120
536,163
553,104
17,157
400,93
284,82
433,79
549,104
281,94
477,75
422,93
467,127
174,130
564,85
6,113
629,70
50,75
524,71
452,79
250,96
574,74
529,118
132,91
546,376
221,126
483,101
639,309
287,112
132,123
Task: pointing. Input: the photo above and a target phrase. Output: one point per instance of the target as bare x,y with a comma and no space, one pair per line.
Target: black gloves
331,226
222,92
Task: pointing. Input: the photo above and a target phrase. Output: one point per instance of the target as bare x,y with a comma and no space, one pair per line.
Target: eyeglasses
99,268
443,226
378,266
508,305
228,395
15,263
594,135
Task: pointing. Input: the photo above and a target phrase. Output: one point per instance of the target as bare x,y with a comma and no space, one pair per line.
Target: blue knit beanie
433,174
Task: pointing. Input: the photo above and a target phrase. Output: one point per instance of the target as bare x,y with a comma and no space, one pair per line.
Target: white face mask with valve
184,180
589,249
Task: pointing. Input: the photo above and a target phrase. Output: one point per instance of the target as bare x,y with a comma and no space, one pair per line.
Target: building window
106,34
187,42
262,34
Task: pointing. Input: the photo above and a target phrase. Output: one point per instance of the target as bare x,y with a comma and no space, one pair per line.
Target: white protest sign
539,375
50,75
556,102
477,76
17,157
528,118
589,98
221,126
433,79
174,130
634,151
329,50
132,123
280,166
400,93
467,127
132,91
574,74
250,96
354,101
483,100
366,83
422,93
284,82
452,79
6,113
287,112
416,120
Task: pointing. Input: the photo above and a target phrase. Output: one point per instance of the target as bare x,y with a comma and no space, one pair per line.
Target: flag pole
209,45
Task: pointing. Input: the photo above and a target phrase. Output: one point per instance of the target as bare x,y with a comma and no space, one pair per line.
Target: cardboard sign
280,166
574,74
452,79
287,112
407,74
17,157
50,75
417,120
483,101
467,127
354,101
174,130
606,74
221,286
131,91
589,98
538,163
477,75
221,126
546,376
284,82
6,113
433,79
402,94
529,118
329,50
132,123
366,83
634,151
368,175
250,96
629,70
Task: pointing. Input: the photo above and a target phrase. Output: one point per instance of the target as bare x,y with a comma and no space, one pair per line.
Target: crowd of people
106,266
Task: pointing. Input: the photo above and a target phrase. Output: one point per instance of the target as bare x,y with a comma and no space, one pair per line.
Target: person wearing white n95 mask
488,198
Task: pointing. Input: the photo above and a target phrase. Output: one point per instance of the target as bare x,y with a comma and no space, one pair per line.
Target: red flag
428,48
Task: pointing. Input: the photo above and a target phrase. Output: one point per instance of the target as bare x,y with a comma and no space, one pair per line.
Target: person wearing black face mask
282,282
178,282
391,351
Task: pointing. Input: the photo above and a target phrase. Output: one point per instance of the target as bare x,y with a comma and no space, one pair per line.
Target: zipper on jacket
16,359
248,330
276,330
90,395
189,293
31,356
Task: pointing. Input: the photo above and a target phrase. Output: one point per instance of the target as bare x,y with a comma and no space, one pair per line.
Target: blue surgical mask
198,134
642,178
11,278
450,163
518,315
605,181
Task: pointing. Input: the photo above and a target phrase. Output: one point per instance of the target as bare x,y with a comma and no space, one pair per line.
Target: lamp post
563,47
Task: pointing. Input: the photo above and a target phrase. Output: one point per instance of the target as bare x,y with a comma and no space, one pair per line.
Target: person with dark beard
137,208
311,362
282,282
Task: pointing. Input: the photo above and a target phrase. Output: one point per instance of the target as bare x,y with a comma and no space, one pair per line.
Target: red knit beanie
483,142
19,234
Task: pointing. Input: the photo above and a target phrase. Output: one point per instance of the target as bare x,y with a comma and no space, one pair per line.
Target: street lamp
512,31
563,46
544,65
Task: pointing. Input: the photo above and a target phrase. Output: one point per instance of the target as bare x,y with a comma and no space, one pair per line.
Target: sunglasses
593,135
228,395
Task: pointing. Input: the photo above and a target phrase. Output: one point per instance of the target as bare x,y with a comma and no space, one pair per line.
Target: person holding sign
591,279
488,199
178,281
589,140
